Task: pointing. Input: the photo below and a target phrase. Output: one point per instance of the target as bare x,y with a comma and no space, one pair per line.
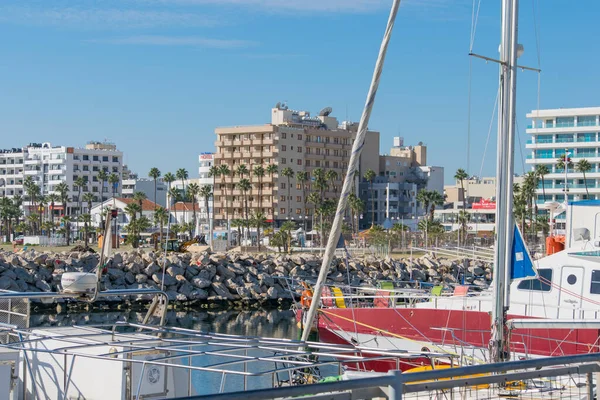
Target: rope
359,142
487,141
474,19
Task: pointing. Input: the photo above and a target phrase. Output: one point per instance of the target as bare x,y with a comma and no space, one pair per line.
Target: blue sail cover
521,265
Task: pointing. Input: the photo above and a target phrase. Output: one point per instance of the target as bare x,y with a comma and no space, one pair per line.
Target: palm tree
89,199
168,179
140,197
460,176
259,172
542,170
357,206
66,221
174,195
103,177
161,217
272,170
528,193
33,192
424,197
435,199
302,179
63,192
193,191
154,174
224,172
463,220
331,176
370,177
244,185
239,224
288,173
584,166
113,179
259,221
52,199
205,192
242,170
182,175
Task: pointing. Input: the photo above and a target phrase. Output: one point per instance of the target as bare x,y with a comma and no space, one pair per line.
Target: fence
13,312
44,240
568,377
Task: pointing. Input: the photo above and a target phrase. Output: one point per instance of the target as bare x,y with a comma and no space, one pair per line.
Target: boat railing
568,377
255,361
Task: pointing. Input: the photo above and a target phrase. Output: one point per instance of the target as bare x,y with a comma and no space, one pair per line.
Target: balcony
246,155
246,142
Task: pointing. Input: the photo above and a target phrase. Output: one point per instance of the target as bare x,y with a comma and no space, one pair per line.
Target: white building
122,218
146,186
554,132
206,160
50,165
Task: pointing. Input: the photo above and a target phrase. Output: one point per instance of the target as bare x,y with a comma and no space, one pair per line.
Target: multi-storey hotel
572,130
293,139
50,165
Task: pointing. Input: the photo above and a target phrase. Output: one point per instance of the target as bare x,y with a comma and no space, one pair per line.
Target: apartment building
556,132
50,165
401,174
295,140
145,185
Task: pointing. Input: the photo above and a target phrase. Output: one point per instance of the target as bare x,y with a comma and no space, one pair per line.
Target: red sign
484,205
206,156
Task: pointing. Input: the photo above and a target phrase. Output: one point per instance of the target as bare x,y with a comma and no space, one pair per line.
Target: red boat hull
428,328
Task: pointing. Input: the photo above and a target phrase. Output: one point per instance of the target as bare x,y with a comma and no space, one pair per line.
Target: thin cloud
326,6
191,41
101,18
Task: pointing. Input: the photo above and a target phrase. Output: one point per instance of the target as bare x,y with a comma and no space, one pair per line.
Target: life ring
306,298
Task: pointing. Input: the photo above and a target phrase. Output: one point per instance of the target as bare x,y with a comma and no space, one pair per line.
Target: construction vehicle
181,247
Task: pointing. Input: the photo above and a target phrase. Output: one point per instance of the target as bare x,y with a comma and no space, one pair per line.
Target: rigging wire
474,20
487,141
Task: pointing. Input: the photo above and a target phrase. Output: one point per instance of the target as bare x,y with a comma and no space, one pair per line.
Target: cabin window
543,282
595,286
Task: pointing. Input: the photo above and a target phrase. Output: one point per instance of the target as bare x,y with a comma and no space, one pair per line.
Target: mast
504,178
353,166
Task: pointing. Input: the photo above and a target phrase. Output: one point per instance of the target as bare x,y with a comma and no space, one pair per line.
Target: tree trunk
372,205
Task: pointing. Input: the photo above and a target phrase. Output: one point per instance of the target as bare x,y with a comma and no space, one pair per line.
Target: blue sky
157,76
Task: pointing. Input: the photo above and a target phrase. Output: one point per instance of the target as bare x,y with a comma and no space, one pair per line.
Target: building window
307,163
86,157
318,139
283,161
562,122
95,168
282,185
541,284
283,147
335,164
104,158
308,150
308,138
283,135
326,152
298,211
299,161
95,158
86,168
299,137
299,149
326,164
318,151
317,163
282,211
115,159
298,198
336,140
588,120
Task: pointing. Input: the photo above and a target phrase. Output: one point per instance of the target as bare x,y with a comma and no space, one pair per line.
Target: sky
156,77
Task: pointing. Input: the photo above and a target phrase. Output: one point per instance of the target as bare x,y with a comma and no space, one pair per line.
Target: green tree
259,172
541,170
271,170
259,221
286,234
424,197
113,179
66,228
33,192
139,197
357,206
53,198
154,174
168,179
370,177
302,179
288,173
182,175
134,228
242,170
63,192
460,176
87,220
435,199
331,176
103,177
161,217
193,192
584,166
244,185
224,172
239,224
205,193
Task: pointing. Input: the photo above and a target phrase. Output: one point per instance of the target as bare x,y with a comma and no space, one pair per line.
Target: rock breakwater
234,277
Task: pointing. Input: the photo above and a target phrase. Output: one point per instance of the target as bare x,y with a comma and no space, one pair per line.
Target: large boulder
168,279
221,290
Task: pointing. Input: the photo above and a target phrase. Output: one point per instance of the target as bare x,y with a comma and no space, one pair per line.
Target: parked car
19,240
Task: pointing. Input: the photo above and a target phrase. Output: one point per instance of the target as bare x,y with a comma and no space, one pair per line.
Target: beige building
476,188
293,139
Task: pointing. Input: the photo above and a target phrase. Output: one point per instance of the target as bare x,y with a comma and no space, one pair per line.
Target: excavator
181,247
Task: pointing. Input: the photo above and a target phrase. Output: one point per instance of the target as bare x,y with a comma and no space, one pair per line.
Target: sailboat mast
504,178
353,165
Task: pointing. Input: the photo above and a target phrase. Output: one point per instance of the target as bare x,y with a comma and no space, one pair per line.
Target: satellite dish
278,105
325,112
